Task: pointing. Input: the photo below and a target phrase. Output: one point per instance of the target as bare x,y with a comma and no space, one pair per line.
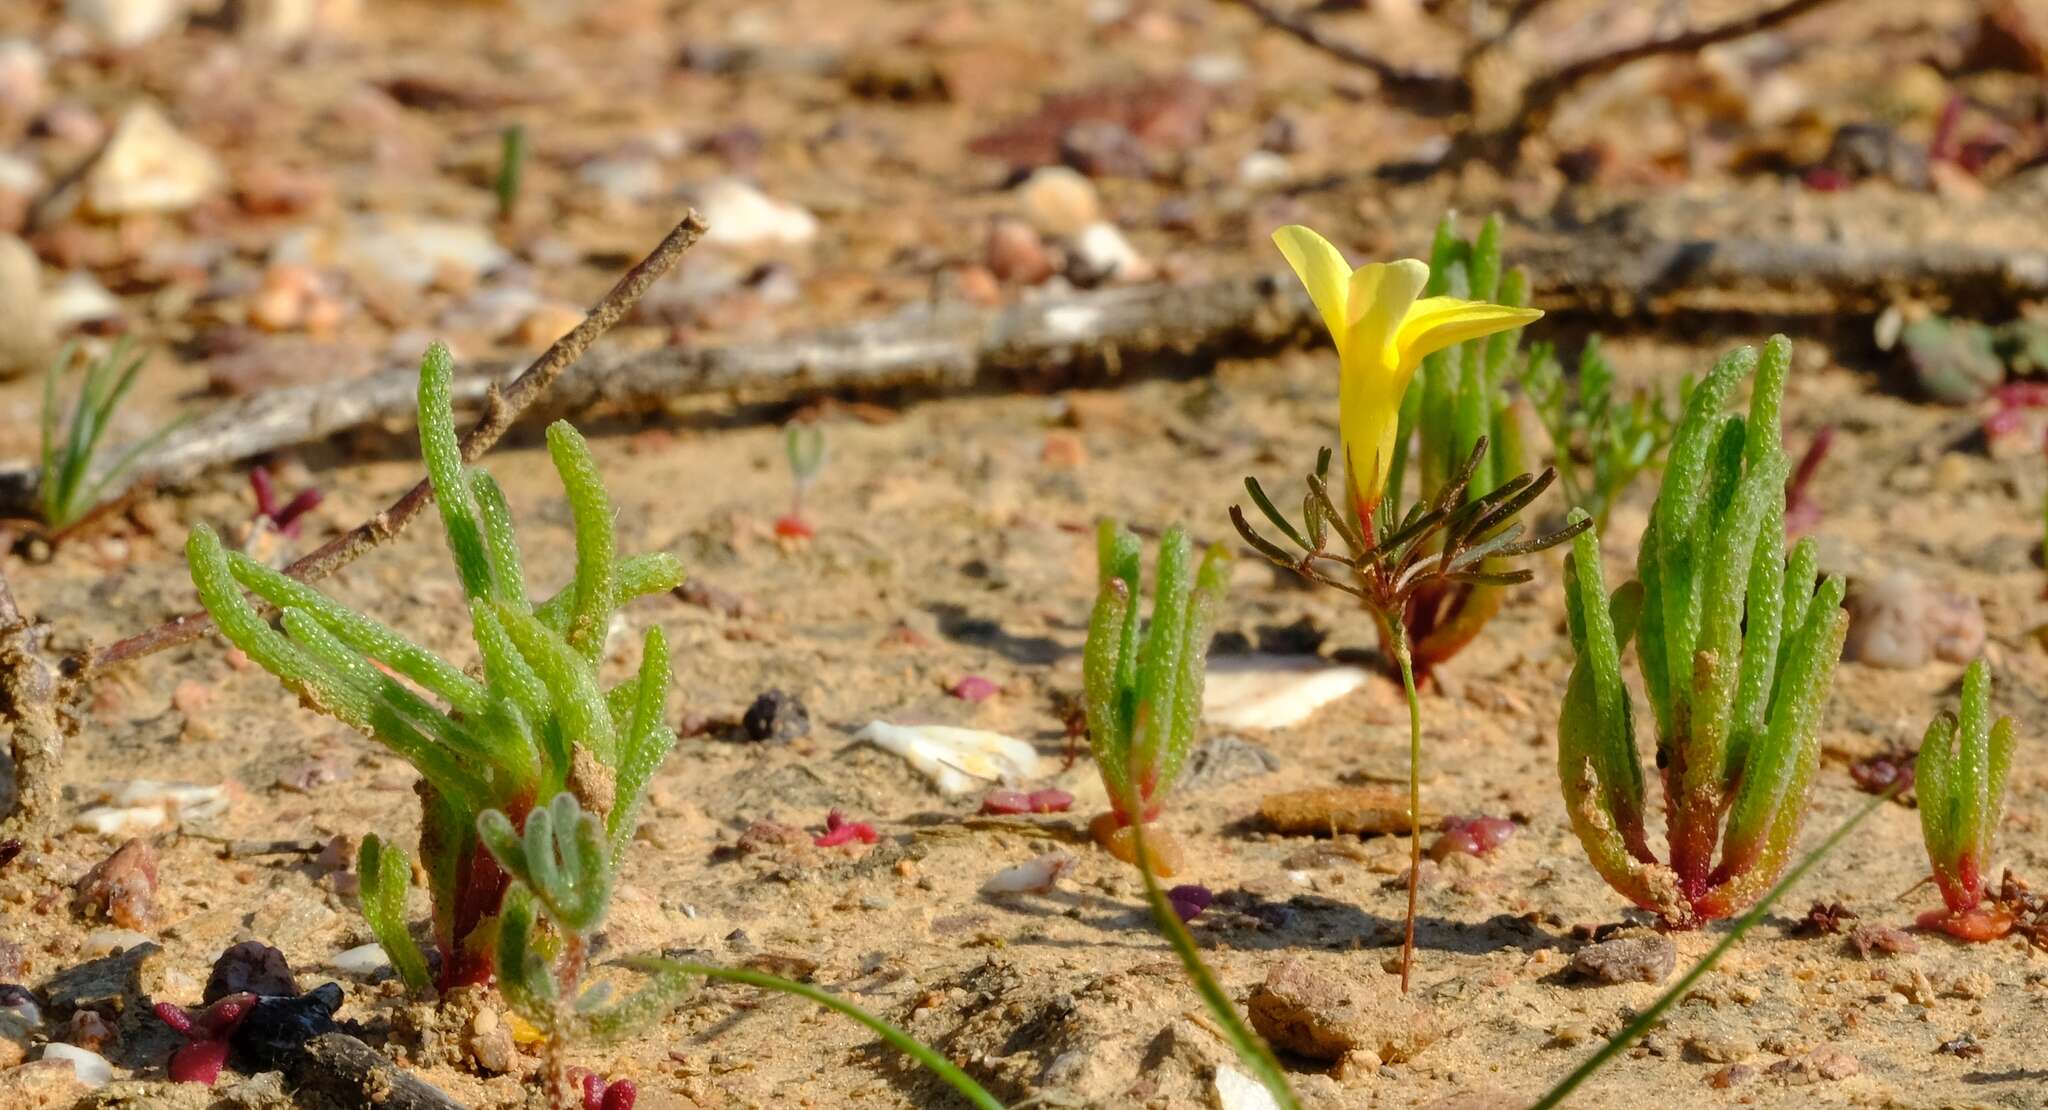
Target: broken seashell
1034,876
956,760
1273,691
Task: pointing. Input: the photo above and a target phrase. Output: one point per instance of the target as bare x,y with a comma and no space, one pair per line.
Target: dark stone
278,1028
776,716
252,967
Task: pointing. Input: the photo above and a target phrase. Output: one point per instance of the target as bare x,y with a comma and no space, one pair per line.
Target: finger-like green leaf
383,873
442,450
596,547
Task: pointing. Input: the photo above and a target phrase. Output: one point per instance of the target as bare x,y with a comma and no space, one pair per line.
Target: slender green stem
1251,1048
1643,1021
1399,640
903,1042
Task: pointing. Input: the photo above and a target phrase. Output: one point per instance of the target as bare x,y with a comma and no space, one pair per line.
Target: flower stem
1399,641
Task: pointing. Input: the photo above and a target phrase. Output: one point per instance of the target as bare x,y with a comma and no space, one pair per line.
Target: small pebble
1900,621
148,166
1059,201
120,888
362,961
1636,956
1016,254
1189,900
251,967
741,215
777,716
974,688
1102,254
92,1069
1035,876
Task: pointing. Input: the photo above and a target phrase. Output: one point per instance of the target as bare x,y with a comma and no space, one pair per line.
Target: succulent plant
562,869
535,723
1143,685
1960,780
1737,648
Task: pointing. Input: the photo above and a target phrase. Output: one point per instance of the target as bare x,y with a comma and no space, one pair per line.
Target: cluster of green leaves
1142,688
1737,648
535,723
1958,361
1960,781
70,483
1600,438
562,866
1457,400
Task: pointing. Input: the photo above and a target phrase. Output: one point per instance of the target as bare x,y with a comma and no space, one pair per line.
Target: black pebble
278,1027
776,716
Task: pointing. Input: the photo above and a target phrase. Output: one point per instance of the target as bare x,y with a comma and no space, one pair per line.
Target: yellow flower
1382,331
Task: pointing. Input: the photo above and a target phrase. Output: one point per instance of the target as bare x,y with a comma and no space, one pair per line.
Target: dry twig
1052,340
501,408
28,710
1509,115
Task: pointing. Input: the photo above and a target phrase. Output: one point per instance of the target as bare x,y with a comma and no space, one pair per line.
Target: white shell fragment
1237,1091
1273,691
957,760
137,806
101,942
362,961
92,1069
1034,876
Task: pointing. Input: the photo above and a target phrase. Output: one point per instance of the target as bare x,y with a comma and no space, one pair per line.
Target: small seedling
1143,687
535,721
804,446
281,515
1960,777
1802,511
70,483
562,867
1737,649
1600,440
511,170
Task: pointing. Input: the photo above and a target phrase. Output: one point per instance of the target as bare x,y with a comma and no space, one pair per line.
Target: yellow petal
1438,322
1369,420
1383,291
1322,270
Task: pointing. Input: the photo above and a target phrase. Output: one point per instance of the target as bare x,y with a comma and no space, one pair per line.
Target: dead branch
1540,98
1508,114
337,1070
1446,89
500,409
954,347
28,711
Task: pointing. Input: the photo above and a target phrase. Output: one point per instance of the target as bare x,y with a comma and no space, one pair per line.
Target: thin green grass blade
902,1042
1251,1048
